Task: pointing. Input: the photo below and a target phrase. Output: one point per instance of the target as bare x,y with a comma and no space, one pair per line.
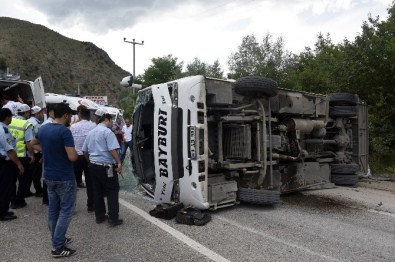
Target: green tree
215,70
197,67
317,70
371,70
138,80
365,66
265,59
163,69
126,101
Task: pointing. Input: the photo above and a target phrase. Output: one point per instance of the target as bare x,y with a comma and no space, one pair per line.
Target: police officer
101,148
36,118
9,165
22,130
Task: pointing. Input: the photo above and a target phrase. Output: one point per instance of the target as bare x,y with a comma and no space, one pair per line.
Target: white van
73,101
115,113
31,92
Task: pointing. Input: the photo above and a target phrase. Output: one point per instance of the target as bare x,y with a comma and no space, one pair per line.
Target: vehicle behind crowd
213,143
116,114
24,91
73,101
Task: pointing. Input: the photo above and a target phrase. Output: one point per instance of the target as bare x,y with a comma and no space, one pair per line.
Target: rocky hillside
64,64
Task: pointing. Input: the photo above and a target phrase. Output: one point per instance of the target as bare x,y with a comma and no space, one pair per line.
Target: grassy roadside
382,165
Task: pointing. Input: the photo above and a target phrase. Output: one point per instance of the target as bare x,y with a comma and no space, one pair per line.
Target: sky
206,29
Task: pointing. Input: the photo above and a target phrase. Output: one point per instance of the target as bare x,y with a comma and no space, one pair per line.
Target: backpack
166,211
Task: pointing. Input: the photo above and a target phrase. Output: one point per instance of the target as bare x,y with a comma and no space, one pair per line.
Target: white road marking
175,233
284,242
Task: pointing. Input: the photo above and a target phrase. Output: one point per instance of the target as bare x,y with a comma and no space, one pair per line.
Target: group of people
23,126
62,153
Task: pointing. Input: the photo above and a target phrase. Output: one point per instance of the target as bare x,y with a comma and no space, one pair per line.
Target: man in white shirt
127,138
80,130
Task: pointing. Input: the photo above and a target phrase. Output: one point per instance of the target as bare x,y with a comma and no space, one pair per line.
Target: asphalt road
325,225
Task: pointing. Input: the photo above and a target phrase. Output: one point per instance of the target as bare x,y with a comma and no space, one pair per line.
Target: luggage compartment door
39,93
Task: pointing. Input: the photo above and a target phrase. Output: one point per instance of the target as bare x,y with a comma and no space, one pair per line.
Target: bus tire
256,86
259,197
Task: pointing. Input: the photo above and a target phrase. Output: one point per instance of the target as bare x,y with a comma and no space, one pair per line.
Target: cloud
238,24
205,29
101,16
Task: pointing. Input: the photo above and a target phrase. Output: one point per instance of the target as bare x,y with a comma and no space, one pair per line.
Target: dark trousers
78,171
23,182
105,186
81,166
8,174
36,173
45,193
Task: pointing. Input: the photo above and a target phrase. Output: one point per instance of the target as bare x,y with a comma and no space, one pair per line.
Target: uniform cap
36,109
23,108
100,112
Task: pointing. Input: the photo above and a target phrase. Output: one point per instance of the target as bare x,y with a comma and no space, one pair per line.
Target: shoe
101,220
17,205
81,185
68,241
91,209
63,252
114,223
8,217
10,213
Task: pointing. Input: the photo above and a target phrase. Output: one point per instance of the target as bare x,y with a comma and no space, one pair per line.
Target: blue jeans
62,197
125,147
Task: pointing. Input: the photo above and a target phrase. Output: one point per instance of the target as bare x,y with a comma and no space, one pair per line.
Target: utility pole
134,43
78,89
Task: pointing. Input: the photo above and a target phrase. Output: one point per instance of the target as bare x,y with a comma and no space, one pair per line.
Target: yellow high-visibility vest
18,128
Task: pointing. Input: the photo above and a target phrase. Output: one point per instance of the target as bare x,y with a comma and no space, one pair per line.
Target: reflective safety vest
18,128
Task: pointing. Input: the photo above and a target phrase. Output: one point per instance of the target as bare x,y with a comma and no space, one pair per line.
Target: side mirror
127,81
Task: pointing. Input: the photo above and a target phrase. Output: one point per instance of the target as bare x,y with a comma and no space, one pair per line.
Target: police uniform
37,169
99,142
8,170
22,131
12,106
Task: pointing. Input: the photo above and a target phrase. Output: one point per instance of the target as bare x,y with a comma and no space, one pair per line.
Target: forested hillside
64,64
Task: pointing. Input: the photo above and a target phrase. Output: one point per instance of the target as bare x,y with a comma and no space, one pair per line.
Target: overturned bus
213,143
